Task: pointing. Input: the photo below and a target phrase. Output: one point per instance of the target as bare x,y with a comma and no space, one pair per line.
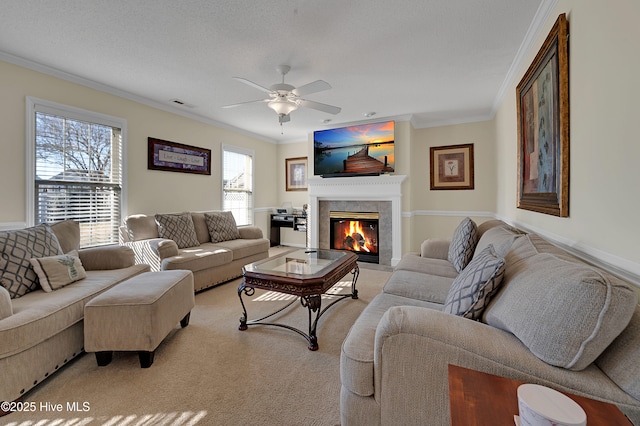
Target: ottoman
137,314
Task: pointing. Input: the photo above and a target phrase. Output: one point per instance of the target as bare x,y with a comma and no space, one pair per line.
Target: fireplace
357,232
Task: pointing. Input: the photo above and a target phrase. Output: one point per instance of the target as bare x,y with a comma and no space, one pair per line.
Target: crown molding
63,75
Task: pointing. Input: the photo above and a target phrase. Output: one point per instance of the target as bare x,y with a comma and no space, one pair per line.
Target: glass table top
298,262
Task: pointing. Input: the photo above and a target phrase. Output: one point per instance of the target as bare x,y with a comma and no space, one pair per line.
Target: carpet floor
210,373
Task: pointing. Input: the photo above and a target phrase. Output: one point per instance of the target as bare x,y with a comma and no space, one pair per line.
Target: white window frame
244,151
35,105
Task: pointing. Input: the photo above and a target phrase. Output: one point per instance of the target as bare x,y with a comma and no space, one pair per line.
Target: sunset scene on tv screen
361,149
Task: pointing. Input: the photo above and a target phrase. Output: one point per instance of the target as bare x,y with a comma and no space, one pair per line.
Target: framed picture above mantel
542,99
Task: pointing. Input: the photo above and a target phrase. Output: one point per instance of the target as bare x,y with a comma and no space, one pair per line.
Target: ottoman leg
185,321
146,358
104,358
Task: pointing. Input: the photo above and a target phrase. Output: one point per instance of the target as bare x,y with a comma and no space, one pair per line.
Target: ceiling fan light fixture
282,106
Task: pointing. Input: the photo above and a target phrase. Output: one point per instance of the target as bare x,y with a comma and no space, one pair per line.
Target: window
75,169
237,183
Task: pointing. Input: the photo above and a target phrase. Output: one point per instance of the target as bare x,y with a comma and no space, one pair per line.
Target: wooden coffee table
479,399
306,273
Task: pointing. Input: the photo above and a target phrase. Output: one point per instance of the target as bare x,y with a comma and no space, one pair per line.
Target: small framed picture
296,173
452,167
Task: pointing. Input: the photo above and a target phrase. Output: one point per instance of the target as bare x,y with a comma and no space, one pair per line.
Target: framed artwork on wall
451,167
296,174
542,99
177,157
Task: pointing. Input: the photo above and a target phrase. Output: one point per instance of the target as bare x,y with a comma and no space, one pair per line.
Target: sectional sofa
41,325
207,243
497,300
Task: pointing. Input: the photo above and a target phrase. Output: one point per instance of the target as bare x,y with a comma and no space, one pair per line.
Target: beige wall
604,176
149,191
436,213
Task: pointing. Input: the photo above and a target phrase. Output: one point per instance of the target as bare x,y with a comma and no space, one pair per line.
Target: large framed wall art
177,157
542,99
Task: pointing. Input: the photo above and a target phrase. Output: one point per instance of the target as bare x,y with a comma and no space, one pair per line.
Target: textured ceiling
432,61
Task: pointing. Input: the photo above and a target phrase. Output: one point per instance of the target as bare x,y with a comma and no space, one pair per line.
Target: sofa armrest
250,232
414,345
152,251
106,257
6,307
435,248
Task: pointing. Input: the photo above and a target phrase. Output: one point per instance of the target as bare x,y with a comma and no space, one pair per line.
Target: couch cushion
473,289
419,286
563,310
68,234
179,228
55,272
501,237
222,226
205,256
16,250
200,225
463,243
141,227
426,265
620,360
244,248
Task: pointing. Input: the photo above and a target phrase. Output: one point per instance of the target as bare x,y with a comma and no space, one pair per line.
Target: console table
479,399
296,222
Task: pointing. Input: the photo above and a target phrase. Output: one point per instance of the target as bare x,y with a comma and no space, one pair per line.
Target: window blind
237,183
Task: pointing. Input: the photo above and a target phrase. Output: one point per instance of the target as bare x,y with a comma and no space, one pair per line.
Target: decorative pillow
463,243
472,290
222,226
16,249
6,307
55,272
179,228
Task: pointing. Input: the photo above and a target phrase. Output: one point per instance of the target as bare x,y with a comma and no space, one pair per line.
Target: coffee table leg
249,291
313,303
355,273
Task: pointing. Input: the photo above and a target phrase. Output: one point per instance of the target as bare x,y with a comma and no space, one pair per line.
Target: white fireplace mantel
364,188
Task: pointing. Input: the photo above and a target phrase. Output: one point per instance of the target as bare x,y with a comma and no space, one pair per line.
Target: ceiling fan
285,98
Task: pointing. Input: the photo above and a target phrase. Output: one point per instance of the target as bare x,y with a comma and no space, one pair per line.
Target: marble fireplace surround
358,194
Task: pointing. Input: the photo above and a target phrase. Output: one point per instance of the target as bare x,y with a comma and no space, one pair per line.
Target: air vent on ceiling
181,103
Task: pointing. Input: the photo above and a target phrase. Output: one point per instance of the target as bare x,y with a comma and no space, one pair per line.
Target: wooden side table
481,399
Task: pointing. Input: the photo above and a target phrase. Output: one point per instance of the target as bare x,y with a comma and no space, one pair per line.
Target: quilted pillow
472,290
179,228
222,226
463,243
16,250
56,272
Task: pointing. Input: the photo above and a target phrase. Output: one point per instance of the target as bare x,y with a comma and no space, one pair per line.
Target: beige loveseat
551,320
207,243
40,331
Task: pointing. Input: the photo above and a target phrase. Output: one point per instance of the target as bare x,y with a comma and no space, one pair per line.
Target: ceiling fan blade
252,84
313,87
320,107
246,103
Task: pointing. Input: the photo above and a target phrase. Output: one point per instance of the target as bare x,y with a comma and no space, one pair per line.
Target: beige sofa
41,331
552,320
184,241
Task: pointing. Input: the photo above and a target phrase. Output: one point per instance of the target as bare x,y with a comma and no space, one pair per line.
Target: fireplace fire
356,232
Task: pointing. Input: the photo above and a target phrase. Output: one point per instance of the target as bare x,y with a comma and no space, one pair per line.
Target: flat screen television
365,149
